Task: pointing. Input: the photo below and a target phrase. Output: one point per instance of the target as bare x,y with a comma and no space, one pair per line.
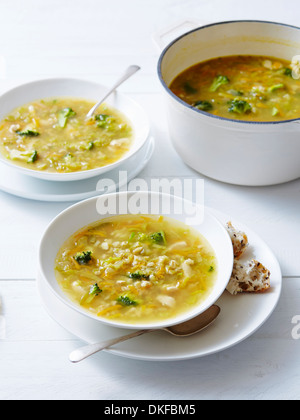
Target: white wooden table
95,39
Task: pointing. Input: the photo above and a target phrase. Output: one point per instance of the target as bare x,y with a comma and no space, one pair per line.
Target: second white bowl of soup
136,270
44,131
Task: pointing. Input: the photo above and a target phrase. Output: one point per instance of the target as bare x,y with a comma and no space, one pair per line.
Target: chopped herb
203,105
83,258
211,269
28,133
95,290
218,82
33,157
64,115
239,107
126,301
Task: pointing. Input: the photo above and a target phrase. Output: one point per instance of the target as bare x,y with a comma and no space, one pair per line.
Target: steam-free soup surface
54,135
251,88
137,269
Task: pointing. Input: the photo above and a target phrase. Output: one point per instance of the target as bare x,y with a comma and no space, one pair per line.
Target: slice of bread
239,240
251,277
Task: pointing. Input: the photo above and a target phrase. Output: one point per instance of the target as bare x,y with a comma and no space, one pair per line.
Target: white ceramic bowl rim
206,114
211,299
75,176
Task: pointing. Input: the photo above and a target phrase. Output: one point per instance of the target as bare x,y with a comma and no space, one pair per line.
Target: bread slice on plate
251,277
239,240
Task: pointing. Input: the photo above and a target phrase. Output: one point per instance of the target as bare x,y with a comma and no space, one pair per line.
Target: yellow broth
251,88
137,269
54,135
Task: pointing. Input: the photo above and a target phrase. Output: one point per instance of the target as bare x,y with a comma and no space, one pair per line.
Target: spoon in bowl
184,329
128,73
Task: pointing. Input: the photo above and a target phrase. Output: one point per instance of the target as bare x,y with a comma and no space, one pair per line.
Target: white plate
16,183
240,317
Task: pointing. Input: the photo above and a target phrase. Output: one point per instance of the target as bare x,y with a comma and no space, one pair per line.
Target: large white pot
236,152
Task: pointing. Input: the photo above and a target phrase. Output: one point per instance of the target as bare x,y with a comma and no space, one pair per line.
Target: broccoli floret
138,276
103,120
288,72
28,133
203,105
95,290
159,238
218,82
83,258
126,301
64,115
239,107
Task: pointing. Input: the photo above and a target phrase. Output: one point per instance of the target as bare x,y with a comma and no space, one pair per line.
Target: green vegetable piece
275,112
33,157
159,237
218,82
28,133
203,105
126,301
95,290
236,92
64,115
90,145
276,87
288,72
239,107
138,276
102,119
211,269
131,237
83,258
189,88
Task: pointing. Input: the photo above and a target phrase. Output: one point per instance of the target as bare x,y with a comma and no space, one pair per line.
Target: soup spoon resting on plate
128,73
185,329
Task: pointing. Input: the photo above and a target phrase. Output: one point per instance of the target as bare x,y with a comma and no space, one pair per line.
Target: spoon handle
86,351
128,73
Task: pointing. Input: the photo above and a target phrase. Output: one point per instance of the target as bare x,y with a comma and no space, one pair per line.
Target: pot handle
166,35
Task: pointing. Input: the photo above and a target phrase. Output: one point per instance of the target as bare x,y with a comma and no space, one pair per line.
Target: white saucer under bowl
18,184
240,316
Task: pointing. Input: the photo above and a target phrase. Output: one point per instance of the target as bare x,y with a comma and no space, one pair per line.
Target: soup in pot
243,87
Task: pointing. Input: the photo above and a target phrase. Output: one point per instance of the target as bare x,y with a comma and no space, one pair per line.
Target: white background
97,39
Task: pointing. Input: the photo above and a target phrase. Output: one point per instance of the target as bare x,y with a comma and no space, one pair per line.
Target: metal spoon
128,73
184,329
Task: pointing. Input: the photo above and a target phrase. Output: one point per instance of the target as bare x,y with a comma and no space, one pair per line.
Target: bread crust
239,240
251,277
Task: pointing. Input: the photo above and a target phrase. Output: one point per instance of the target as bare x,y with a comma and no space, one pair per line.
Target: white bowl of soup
133,269
232,94
44,132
